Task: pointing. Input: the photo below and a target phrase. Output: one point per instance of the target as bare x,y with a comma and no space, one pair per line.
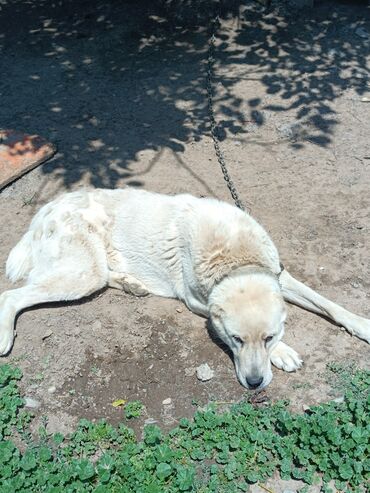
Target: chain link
214,129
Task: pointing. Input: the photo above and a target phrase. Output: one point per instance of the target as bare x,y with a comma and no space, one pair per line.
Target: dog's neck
205,288
250,270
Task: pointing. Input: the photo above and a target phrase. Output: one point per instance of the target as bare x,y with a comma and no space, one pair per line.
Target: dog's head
248,312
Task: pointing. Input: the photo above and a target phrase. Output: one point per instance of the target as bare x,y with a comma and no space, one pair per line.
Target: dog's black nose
254,382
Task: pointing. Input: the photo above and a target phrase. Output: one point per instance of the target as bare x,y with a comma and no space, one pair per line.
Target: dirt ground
119,87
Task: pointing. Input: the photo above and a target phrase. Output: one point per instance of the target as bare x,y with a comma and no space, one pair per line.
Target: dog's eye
238,339
268,339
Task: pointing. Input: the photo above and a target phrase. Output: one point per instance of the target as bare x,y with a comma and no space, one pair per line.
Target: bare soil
119,87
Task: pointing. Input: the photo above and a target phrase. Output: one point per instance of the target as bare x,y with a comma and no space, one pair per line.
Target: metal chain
210,73
214,129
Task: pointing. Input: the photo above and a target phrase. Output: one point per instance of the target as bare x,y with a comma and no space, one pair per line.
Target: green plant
347,377
10,401
133,409
212,453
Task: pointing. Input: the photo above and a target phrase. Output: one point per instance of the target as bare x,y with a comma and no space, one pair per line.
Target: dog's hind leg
297,293
79,270
127,283
61,284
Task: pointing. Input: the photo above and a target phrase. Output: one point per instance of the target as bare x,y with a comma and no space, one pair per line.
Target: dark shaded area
125,77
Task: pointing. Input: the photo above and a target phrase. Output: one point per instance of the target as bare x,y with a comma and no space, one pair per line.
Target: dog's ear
216,312
284,311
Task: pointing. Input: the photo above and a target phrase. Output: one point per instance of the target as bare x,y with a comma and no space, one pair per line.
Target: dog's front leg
301,295
285,358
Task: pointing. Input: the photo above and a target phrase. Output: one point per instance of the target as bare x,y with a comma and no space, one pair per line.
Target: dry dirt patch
124,99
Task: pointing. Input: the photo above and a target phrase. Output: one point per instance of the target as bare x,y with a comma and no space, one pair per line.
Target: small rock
362,33
179,310
291,130
204,372
355,284
150,421
97,325
167,402
339,399
31,403
47,334
52,389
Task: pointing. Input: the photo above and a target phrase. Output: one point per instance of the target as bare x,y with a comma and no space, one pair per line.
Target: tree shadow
107,80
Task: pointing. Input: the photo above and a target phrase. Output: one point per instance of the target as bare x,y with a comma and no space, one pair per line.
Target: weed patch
213,452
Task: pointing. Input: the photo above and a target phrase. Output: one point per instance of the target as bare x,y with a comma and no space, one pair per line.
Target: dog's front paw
285,358
6,341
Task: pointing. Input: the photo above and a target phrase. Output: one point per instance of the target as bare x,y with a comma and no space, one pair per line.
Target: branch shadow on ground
107,80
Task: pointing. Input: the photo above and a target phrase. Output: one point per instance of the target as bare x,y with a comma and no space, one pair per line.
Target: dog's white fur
215,258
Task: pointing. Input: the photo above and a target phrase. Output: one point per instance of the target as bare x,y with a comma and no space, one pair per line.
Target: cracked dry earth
122,95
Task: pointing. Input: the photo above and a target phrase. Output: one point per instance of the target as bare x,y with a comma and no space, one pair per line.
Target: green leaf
28,461
185,478
163,470
84,469
58,438
44,454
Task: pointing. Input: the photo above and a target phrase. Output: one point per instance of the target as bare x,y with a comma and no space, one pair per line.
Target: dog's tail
19,262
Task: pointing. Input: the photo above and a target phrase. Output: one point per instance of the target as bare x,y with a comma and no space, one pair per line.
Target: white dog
215,258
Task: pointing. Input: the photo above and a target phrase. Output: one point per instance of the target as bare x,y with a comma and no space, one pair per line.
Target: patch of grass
302,386
212,453
94,369
347,377
133,409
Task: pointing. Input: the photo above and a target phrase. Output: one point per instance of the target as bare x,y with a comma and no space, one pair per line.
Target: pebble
150,421
97,325
167,402
32,403
52,389
291,130
339,399
204,372
333,52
